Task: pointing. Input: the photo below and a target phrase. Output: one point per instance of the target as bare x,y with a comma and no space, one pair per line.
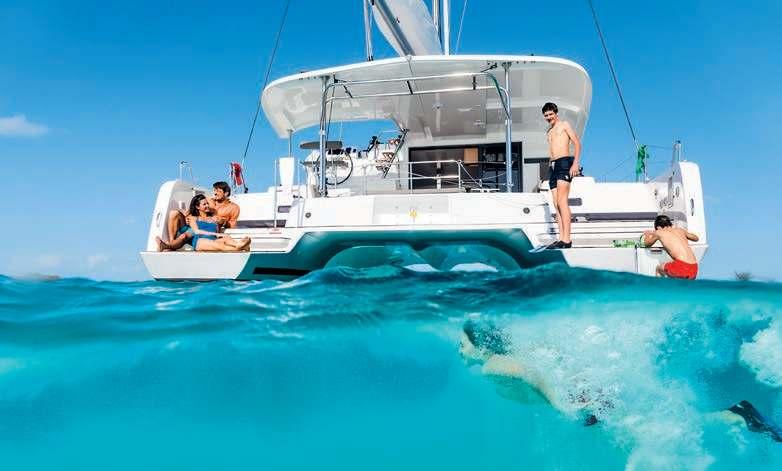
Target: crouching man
675,241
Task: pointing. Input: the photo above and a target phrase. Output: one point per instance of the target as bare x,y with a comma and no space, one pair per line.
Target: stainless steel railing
330,84
461,177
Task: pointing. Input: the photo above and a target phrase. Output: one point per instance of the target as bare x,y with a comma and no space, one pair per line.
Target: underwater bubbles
434,361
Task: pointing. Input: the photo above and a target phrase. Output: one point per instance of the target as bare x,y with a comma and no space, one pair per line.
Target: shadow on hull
481,250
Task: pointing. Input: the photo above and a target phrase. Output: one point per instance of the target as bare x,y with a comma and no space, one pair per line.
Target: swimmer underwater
486,344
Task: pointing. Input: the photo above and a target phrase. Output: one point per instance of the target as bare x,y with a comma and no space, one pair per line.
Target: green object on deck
625,243
640,162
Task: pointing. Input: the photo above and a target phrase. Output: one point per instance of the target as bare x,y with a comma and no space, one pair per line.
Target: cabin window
436,167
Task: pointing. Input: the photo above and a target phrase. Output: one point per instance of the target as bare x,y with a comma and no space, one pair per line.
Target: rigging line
461,22
266,79
631,157
617,166
613,72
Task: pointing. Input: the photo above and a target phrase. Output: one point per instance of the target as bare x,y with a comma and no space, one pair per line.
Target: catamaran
460,182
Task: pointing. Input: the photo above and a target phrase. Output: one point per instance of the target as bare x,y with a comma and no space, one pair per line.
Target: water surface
361,369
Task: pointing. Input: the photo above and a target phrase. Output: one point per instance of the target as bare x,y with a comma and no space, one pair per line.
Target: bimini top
427,107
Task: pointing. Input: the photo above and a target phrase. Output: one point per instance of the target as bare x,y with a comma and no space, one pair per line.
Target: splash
763,355
361,368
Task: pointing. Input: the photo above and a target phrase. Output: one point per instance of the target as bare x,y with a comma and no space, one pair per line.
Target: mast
397,36
368,29
407,25
436,15
446,27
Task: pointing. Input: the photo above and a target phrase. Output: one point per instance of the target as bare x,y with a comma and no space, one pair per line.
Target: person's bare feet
162,246
245,244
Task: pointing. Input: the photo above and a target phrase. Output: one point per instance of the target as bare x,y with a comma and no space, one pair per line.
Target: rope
602,177
266,80
651,162
461,22
613,72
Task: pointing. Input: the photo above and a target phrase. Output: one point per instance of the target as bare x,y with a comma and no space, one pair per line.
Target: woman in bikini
206,237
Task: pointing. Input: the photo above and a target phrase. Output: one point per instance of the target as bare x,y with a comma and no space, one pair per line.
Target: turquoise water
361,369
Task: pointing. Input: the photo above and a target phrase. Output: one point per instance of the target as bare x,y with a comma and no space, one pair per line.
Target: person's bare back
675,241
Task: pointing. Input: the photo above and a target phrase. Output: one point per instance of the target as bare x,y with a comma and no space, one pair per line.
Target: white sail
408,27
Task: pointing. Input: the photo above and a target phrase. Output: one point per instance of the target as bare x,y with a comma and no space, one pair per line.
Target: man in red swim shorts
675,242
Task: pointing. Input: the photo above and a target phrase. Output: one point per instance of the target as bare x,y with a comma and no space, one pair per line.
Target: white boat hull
499,228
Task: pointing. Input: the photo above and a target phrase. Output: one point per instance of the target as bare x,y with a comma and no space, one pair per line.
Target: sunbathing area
202,225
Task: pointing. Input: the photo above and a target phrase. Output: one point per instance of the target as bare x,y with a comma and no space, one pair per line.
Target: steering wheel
339,167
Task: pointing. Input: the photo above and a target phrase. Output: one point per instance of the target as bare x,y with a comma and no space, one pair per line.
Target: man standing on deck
563,166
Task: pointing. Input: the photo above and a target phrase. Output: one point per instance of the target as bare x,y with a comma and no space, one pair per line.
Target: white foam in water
256,303
764,355
421,267
150,290
605,365
477,267
167,305
656,361
285,335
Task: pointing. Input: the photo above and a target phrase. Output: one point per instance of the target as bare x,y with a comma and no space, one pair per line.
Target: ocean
368,369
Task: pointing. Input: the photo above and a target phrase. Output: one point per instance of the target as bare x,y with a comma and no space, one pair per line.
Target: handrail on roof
501,91
503,94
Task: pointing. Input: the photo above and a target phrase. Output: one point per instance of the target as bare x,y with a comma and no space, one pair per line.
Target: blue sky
99,101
